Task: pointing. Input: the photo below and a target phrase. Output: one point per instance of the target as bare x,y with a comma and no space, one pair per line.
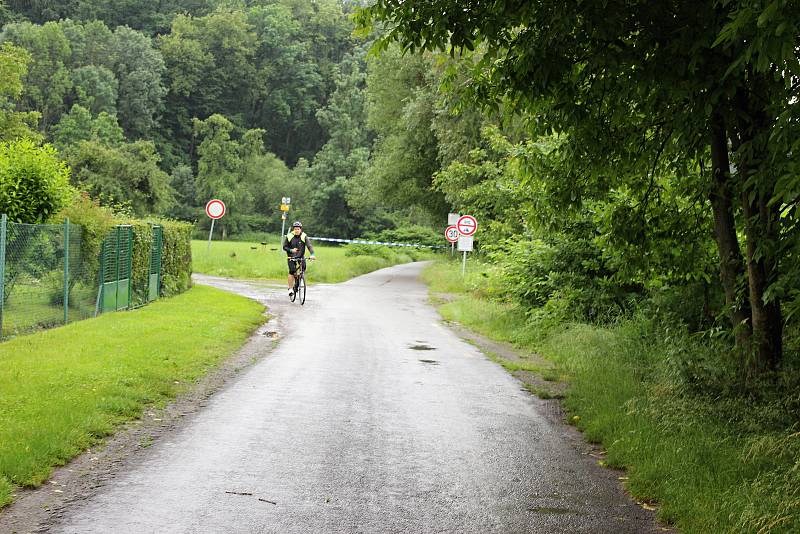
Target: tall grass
62,390
712,462
256,261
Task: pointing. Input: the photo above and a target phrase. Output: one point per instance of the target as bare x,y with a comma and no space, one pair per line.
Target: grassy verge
256,261
65,389
713,461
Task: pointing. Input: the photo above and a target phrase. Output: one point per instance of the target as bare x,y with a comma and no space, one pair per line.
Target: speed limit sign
451,233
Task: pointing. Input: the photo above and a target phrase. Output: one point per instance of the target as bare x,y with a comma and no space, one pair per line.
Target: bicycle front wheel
302,290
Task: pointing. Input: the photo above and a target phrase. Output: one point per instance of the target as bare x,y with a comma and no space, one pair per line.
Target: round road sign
215,209
451,234
467,225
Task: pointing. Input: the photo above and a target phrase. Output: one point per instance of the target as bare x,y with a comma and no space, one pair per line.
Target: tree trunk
731,263
761,229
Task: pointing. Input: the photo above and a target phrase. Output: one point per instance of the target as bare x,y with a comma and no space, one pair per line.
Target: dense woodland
627,161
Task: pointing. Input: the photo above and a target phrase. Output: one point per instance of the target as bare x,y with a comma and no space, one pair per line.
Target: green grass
65,389
256,261
712,463
31,307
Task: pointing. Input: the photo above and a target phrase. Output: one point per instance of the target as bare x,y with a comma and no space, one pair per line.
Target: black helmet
297,224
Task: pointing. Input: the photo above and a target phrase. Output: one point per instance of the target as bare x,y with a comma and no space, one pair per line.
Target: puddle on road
430,362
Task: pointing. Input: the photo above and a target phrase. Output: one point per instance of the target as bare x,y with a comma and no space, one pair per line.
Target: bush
176,257
176,261
34,183
95,222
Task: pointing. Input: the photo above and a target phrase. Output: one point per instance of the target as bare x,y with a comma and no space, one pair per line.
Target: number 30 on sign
451,233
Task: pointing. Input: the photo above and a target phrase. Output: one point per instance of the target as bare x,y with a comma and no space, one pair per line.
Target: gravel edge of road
38,509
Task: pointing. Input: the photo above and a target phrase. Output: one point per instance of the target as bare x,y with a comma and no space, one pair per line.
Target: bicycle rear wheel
302,290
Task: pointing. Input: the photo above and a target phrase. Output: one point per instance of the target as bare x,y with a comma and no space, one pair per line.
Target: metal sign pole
283,226
209,234
464,264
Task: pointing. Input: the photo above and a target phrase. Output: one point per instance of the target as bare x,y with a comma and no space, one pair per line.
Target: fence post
66,270
130,266
3,225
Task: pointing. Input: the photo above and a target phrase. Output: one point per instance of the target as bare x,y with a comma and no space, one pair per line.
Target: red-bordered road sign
215,209
467,225
451,233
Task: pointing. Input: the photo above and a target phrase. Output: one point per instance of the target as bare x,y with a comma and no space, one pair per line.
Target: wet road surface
370,416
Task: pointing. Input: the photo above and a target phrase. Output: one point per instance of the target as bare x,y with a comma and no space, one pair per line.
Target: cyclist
295,244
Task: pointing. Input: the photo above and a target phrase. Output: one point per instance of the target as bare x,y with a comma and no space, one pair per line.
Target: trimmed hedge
176,259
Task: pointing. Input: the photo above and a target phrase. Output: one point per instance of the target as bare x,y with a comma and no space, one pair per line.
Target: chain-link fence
46,280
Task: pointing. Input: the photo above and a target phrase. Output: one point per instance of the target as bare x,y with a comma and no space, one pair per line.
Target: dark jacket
300,242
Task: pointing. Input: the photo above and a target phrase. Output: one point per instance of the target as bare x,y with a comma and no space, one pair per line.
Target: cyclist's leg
290,280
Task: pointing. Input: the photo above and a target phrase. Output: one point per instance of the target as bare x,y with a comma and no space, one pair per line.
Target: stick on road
370,416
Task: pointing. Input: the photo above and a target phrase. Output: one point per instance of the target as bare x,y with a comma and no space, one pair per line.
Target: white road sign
452,218
215,209
465,243
451,234
467,225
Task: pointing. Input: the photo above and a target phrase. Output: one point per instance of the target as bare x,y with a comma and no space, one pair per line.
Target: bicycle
299,280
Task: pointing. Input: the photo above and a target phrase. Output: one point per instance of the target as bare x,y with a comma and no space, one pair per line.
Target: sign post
285,201
467,225
215,209
452,220
451,234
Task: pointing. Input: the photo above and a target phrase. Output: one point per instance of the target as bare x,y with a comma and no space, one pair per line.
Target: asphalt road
370,416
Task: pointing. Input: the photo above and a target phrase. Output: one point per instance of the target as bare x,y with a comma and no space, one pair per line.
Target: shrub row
176,261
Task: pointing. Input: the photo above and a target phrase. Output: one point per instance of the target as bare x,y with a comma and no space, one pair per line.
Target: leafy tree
95,88
47,82
79,125
183,182
289,87
127,174
41,11
345,154
402,105
34,182
13,66
645,88
139,68
210,70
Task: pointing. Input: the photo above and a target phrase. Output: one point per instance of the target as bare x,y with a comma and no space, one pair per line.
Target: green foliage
14,63
79,125
125,174
176,261
96,88
401,108
637,120
34,183
95,222
660,402
47,82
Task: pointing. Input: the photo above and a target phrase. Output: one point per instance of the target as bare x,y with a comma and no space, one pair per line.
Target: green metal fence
44,277
46,280
116,269
154,272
